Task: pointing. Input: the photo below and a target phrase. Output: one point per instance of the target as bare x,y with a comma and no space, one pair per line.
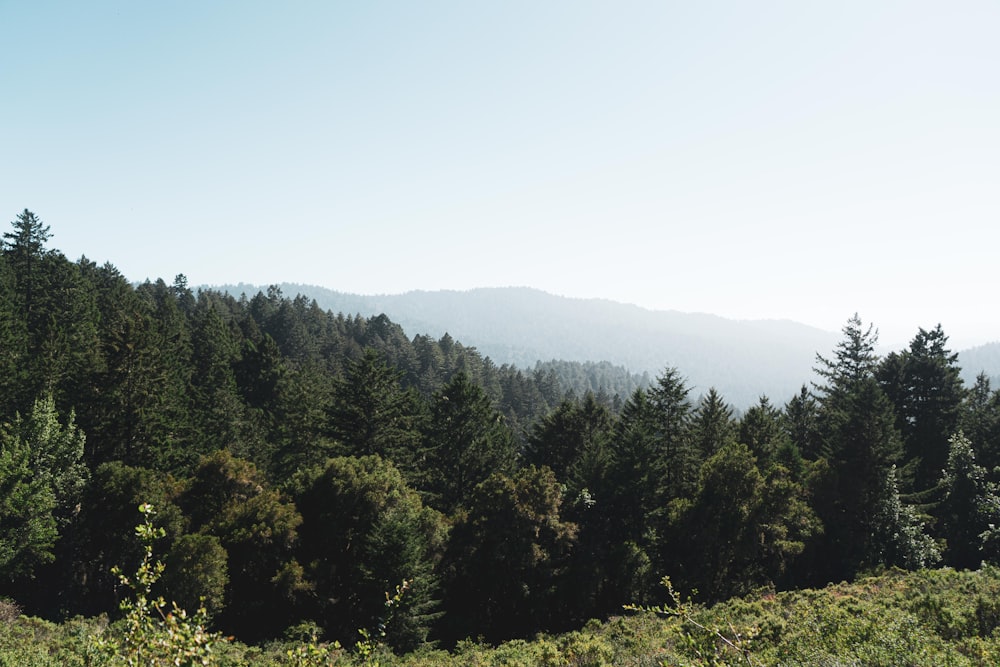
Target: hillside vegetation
931,617
315,474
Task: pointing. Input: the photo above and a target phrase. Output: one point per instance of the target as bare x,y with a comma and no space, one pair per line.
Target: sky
792,160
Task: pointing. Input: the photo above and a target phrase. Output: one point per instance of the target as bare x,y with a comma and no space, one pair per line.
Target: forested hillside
304,463
522,326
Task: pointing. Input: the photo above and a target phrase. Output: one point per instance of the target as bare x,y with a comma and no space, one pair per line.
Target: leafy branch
737,642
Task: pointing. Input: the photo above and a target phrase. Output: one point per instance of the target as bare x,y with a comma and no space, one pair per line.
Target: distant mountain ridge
522,326
742,359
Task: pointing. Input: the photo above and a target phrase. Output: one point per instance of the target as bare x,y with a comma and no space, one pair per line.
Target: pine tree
964,511
857,495
371,412
712,426
927,392
466,440
679,457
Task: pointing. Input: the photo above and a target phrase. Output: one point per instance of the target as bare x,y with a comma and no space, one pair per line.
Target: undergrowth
893,618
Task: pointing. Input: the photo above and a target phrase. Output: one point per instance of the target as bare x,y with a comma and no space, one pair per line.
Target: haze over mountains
742,359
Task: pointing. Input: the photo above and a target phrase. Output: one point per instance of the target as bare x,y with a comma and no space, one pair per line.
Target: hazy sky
798,160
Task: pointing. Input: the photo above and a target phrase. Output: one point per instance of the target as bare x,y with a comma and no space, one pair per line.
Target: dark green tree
258,527
926,390
964,511
104,535
372,414
760,430
24,248
712,426
563,436
800,421
466,441
980,421
196,573
678,455
856,494
506,558
741,530
364,532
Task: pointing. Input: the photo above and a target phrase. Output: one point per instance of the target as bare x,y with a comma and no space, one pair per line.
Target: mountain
981,359
522,326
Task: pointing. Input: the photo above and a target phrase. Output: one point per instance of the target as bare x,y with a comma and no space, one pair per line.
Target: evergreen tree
560,438
24,248
856,495
28,529
800,421
926,389
713,425
964,511
676,451
371,412
760,430
467,440
980,421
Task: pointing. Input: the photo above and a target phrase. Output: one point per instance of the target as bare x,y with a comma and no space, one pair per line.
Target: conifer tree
712,426
857,495
926,389
467,440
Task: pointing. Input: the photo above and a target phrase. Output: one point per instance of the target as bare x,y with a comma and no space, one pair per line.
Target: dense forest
304,463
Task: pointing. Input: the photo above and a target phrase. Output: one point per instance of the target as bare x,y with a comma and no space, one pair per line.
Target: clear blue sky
797,160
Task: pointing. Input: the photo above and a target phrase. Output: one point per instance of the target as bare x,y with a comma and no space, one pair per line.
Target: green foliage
224,411
151,632
42,480
467,441
507,555
926,389
566,435
257,527
364,529
712,427
28,529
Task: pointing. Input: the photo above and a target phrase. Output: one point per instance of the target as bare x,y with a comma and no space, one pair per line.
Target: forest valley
304,464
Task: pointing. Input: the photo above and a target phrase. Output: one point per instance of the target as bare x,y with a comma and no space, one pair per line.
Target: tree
800,421
364,531
56,455
562,437
927,391
506,557
104,535
741,530
371,412
13,343
980,421
760,430
228,498
671,413
467,440
856,493
28,529
42,480
25,247
964,511
631,495
712,426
